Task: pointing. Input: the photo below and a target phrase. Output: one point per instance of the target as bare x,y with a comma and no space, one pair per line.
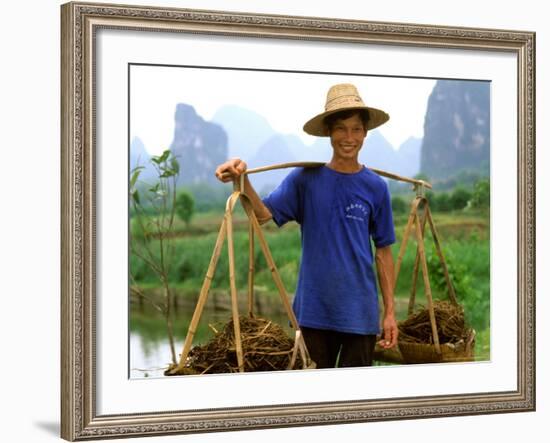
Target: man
340,207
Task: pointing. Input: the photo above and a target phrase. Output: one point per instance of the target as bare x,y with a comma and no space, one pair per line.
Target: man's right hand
234,168
230,170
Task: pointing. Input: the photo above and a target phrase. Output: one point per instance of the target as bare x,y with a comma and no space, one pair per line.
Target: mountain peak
200,145
456,128
246,130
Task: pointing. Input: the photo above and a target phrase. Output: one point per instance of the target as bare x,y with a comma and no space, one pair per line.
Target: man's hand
384,268
230,170
389,339
234,168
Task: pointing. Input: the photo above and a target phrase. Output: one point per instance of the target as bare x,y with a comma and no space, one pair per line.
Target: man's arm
232,169
386,276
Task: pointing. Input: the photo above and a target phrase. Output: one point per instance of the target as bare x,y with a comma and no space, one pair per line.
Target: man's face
347,136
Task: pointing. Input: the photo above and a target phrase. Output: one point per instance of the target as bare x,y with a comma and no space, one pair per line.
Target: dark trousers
327,348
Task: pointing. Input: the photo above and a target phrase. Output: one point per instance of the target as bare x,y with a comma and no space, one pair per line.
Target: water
149,346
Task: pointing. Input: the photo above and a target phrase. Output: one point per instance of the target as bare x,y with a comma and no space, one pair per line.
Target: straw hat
340,98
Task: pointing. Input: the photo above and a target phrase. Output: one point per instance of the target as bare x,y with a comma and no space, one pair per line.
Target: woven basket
392,355
450,352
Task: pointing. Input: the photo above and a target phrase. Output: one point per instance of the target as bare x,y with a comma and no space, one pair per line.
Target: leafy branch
152,240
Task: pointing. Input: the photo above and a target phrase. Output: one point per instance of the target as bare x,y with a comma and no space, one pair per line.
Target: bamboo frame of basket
226,231
420,260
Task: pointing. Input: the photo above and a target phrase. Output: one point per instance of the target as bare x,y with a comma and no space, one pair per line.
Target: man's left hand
389,339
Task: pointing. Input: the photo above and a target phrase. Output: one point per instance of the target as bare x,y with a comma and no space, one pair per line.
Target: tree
459,198
430,196
153,211
481,197
442,202
398,205
185,206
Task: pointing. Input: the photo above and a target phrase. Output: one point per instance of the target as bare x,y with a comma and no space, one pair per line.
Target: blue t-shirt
338,214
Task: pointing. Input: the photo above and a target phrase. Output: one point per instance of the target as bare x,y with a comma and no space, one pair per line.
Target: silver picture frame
80,22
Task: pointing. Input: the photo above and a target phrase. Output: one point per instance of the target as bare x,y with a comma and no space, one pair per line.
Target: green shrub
481,197
398,205
185,206
459,198
442,202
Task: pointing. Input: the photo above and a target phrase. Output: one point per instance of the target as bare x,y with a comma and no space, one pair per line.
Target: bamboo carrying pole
318,164
226,229
439,250
406,234
202,296
233,286
250,270
274,272
427,287
416,265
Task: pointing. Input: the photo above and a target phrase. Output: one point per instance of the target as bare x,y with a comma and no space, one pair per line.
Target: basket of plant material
265,345
456,339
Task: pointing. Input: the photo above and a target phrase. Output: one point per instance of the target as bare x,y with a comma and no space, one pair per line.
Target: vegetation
463,196
399,205
185,206
151,239
472,290
481,197
208,197
459,198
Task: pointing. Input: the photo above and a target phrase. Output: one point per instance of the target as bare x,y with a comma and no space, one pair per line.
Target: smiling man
341,207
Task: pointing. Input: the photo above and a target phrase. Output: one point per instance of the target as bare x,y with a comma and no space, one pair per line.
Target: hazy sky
286,100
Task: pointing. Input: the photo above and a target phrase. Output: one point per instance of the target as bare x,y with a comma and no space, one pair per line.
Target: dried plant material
266,347
449,318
